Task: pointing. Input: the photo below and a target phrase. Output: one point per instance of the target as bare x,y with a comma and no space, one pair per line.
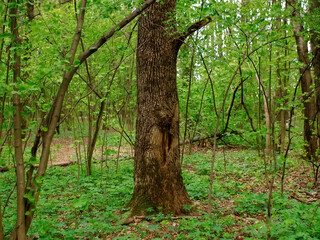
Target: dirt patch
63,150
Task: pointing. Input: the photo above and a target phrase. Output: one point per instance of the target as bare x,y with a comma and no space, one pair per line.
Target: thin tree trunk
244,105
3,98
215,136
315,40
94,138
54,114
51,123
3,105
1,225
17,123
283,95
187,105
3,29
267,113
91,143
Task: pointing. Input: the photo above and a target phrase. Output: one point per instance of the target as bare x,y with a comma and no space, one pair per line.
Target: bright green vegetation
240,63
97,209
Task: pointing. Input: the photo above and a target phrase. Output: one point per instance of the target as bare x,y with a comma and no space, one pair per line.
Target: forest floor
298,179
64,151
73,206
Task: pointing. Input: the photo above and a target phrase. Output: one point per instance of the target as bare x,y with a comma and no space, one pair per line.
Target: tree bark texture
315,40
157,170
306,82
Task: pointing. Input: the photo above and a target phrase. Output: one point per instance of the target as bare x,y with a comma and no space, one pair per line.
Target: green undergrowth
75,206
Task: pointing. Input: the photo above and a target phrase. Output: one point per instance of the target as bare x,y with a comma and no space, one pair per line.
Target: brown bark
283,80
187,105
259,74
157,170
17,123
306,82
52,119
315,40
54,114
90,147
60,164
94,138
4,169
283,113
30,10
3,98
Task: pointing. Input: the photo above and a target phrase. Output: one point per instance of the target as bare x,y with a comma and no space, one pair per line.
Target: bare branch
94,47
194,27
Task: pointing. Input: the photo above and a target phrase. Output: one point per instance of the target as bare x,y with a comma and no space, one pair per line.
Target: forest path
63,151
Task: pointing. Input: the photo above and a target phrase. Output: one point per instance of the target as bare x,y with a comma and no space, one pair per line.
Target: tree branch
94,47
194,27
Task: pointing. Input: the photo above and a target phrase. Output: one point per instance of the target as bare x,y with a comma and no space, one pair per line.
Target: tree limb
94,47
194,27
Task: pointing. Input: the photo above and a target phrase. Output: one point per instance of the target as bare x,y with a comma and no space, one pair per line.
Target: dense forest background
247,81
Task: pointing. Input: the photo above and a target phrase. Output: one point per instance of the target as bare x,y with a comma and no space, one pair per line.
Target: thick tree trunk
157,170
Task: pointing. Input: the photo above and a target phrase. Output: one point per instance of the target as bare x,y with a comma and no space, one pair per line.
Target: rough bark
157,169
315,40
306,82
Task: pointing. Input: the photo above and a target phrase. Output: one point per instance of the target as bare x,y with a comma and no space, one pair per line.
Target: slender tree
315,40
1,225
306,84
17,122
47,130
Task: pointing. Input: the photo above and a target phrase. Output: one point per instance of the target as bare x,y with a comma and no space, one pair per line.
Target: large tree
157,170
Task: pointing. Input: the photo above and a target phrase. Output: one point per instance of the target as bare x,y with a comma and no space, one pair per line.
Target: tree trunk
157,170
93,140
1,226
306,82
315,40
54,114
17,123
